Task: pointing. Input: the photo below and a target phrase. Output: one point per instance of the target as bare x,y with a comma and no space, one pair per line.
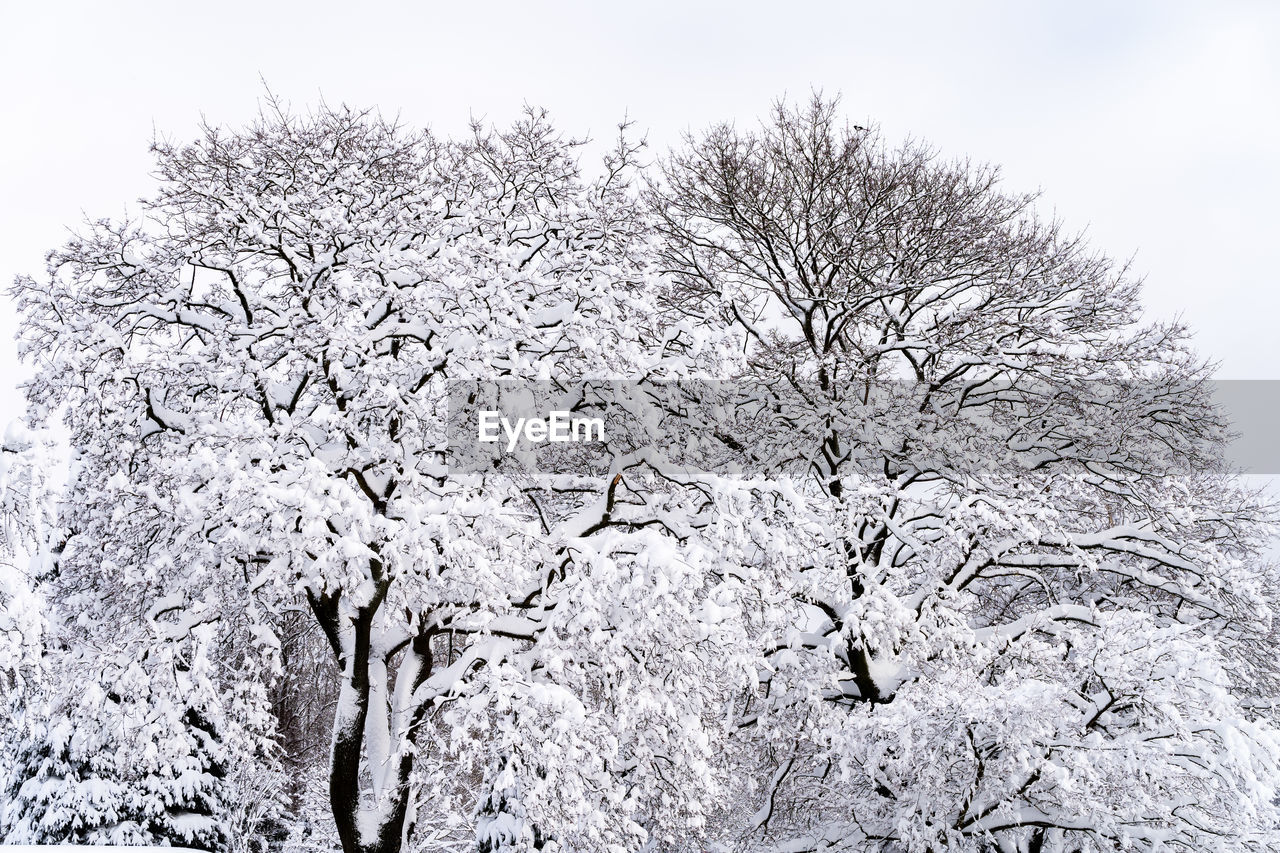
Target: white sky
1154,124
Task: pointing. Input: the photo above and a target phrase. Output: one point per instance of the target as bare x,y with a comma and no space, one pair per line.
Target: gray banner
766,427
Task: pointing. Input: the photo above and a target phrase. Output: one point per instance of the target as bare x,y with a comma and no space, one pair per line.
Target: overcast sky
1156,125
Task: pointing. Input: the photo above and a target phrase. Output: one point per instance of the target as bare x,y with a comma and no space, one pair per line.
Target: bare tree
1008,459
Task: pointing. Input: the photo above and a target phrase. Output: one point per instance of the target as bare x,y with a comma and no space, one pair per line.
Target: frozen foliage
987,588
106,742
133,756
24,520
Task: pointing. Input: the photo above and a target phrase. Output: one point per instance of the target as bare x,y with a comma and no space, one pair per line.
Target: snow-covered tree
121,752
114,743
1027,580
25,516
254,378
